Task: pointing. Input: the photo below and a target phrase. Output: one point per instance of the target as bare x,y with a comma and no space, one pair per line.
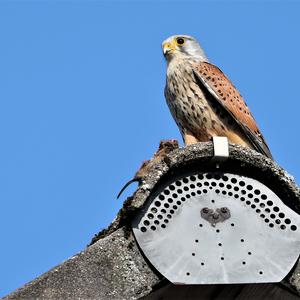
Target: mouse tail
126,185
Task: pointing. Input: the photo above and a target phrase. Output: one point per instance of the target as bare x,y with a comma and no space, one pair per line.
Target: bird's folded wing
225,93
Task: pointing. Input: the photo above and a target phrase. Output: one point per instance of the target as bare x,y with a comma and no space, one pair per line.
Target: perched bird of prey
203,101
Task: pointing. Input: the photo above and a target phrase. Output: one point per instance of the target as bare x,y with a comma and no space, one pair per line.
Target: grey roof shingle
113,267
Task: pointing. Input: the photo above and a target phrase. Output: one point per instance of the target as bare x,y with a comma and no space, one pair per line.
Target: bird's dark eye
180,41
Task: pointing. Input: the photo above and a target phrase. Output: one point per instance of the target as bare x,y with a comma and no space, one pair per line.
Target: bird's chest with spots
186,100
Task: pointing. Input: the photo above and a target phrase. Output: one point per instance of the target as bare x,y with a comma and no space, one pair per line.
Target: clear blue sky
82,105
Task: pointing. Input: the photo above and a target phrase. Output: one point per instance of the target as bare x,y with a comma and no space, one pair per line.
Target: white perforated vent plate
207,228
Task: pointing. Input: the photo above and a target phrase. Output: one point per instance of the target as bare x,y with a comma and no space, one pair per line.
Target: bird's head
183,46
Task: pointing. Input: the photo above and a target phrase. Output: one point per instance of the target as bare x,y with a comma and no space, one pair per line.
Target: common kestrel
203,101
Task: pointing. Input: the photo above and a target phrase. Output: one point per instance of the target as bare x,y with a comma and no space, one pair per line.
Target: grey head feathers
183,46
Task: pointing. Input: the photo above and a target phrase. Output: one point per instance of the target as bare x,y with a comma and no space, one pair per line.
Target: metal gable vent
211,228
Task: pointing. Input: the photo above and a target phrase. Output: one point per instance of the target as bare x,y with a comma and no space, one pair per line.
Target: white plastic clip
221,148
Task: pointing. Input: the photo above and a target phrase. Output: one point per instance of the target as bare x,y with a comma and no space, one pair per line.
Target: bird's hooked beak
168,48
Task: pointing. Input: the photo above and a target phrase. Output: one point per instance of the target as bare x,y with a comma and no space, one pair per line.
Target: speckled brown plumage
204,103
